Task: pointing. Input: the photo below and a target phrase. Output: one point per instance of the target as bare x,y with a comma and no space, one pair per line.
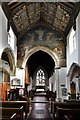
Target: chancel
40,60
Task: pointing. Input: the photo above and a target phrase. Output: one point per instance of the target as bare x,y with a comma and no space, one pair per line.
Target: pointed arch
74,70
9,57
44,49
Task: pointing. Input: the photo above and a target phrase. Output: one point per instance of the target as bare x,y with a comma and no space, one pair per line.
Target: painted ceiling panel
24,15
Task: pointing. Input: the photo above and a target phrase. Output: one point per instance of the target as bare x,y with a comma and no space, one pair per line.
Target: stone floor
40,108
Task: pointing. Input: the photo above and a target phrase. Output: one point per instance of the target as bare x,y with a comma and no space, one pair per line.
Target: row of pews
65,110
14,110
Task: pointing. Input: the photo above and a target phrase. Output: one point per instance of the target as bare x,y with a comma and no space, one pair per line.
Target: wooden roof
25,15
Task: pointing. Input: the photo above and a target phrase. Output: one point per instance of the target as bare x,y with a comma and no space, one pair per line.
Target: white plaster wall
73,57
78,36
4,35
57,82
20,74
4,31
0,29
53,82
50,83
68,84
62,81
14,46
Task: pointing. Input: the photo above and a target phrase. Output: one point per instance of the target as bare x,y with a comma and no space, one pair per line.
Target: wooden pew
17,104
12,117
7,112
67,117
72,105
72,113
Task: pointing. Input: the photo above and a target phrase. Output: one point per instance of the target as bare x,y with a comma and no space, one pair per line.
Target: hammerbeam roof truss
24,15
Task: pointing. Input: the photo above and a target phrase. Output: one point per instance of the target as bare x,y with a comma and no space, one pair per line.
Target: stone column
57,83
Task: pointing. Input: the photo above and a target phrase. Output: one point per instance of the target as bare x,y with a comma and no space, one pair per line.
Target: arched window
40,78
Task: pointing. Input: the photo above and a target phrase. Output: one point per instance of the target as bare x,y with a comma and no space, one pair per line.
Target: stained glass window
40,78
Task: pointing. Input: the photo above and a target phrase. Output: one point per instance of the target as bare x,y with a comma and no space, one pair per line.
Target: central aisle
40,108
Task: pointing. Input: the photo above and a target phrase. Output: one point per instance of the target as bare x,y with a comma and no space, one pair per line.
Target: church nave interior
40,60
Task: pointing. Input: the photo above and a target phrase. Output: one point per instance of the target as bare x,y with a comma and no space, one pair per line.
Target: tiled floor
40,109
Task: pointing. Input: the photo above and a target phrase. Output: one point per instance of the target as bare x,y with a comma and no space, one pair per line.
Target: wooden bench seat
68,117
72,105
16,104
71,113
7,112
12,117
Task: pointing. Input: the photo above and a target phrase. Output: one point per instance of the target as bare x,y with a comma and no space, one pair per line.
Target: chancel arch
40,48
42,62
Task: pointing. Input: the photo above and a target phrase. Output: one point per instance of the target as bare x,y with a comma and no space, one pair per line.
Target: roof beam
53,27
12,7
66,8
75,12
69,4
6,9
